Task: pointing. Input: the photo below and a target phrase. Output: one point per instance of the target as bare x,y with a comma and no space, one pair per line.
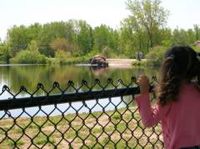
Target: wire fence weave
86,116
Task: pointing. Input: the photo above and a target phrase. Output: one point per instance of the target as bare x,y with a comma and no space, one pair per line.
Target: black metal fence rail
87,116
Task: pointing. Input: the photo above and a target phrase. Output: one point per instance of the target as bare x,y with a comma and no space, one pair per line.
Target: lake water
29,76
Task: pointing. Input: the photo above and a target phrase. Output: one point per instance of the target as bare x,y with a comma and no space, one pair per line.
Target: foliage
4,53
63,45
20,37
155,56
106,51
30,56
84,37
196,48
146,19
140,64
129,43
183,37
50,32
105,39
61,54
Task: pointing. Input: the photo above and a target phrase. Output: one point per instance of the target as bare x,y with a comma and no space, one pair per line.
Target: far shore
121,62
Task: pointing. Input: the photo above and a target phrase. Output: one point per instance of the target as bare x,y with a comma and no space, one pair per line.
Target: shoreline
122,62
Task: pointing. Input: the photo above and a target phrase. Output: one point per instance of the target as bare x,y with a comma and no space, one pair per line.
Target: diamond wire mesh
109,122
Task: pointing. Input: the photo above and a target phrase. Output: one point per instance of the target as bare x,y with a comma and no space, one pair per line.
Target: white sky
183,13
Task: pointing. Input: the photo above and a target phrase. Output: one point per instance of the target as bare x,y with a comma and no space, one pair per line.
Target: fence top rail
63,97
31,101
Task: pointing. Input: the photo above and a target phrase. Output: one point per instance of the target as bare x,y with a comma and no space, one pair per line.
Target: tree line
141,31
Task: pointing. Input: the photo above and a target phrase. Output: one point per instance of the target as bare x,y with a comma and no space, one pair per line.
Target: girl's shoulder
193,85
197,86
189,91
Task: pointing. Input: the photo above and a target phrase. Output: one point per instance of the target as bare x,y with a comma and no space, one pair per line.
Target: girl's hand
143,82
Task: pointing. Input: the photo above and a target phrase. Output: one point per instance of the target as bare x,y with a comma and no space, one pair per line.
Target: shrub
61,54
196,48
155,56
29,57
140,63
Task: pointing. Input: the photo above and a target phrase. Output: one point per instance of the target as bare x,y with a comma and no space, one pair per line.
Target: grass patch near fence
110,129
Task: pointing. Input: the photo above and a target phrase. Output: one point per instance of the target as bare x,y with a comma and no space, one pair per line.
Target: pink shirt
180,120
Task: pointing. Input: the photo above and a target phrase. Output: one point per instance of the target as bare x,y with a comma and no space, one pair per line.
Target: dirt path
120,62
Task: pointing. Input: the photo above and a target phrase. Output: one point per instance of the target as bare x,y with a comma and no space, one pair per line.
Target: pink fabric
180,120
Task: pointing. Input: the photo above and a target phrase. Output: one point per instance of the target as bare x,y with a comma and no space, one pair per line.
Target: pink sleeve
150,116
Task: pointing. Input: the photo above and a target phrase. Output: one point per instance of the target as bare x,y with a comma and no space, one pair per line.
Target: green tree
18,39
191,36
105,38
63,45
33,31
132,41
166,37
71,35
184,37
50,32
197,31
30,56
147,17
84,37
4,53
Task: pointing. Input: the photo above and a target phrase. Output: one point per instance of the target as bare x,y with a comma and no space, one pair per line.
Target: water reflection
98,70
30,75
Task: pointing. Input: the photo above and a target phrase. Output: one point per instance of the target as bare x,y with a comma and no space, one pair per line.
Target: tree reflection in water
30,75
96,70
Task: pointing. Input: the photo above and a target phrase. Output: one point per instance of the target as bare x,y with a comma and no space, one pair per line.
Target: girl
178,99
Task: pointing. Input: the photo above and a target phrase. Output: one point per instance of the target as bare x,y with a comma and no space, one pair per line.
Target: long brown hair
180,64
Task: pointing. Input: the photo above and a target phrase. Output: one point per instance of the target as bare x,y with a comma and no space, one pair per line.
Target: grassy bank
68,61
83,130
146,63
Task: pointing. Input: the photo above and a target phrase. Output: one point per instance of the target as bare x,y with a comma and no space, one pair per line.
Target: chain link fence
86,116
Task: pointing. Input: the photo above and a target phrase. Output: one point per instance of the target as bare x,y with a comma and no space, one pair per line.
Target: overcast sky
183,13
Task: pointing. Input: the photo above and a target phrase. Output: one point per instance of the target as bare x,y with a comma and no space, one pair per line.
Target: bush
140,63
4,54
29,57
155,56
196,48
67,61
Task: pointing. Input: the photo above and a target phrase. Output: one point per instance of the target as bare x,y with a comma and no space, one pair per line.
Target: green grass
97,129
40,140
12,143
